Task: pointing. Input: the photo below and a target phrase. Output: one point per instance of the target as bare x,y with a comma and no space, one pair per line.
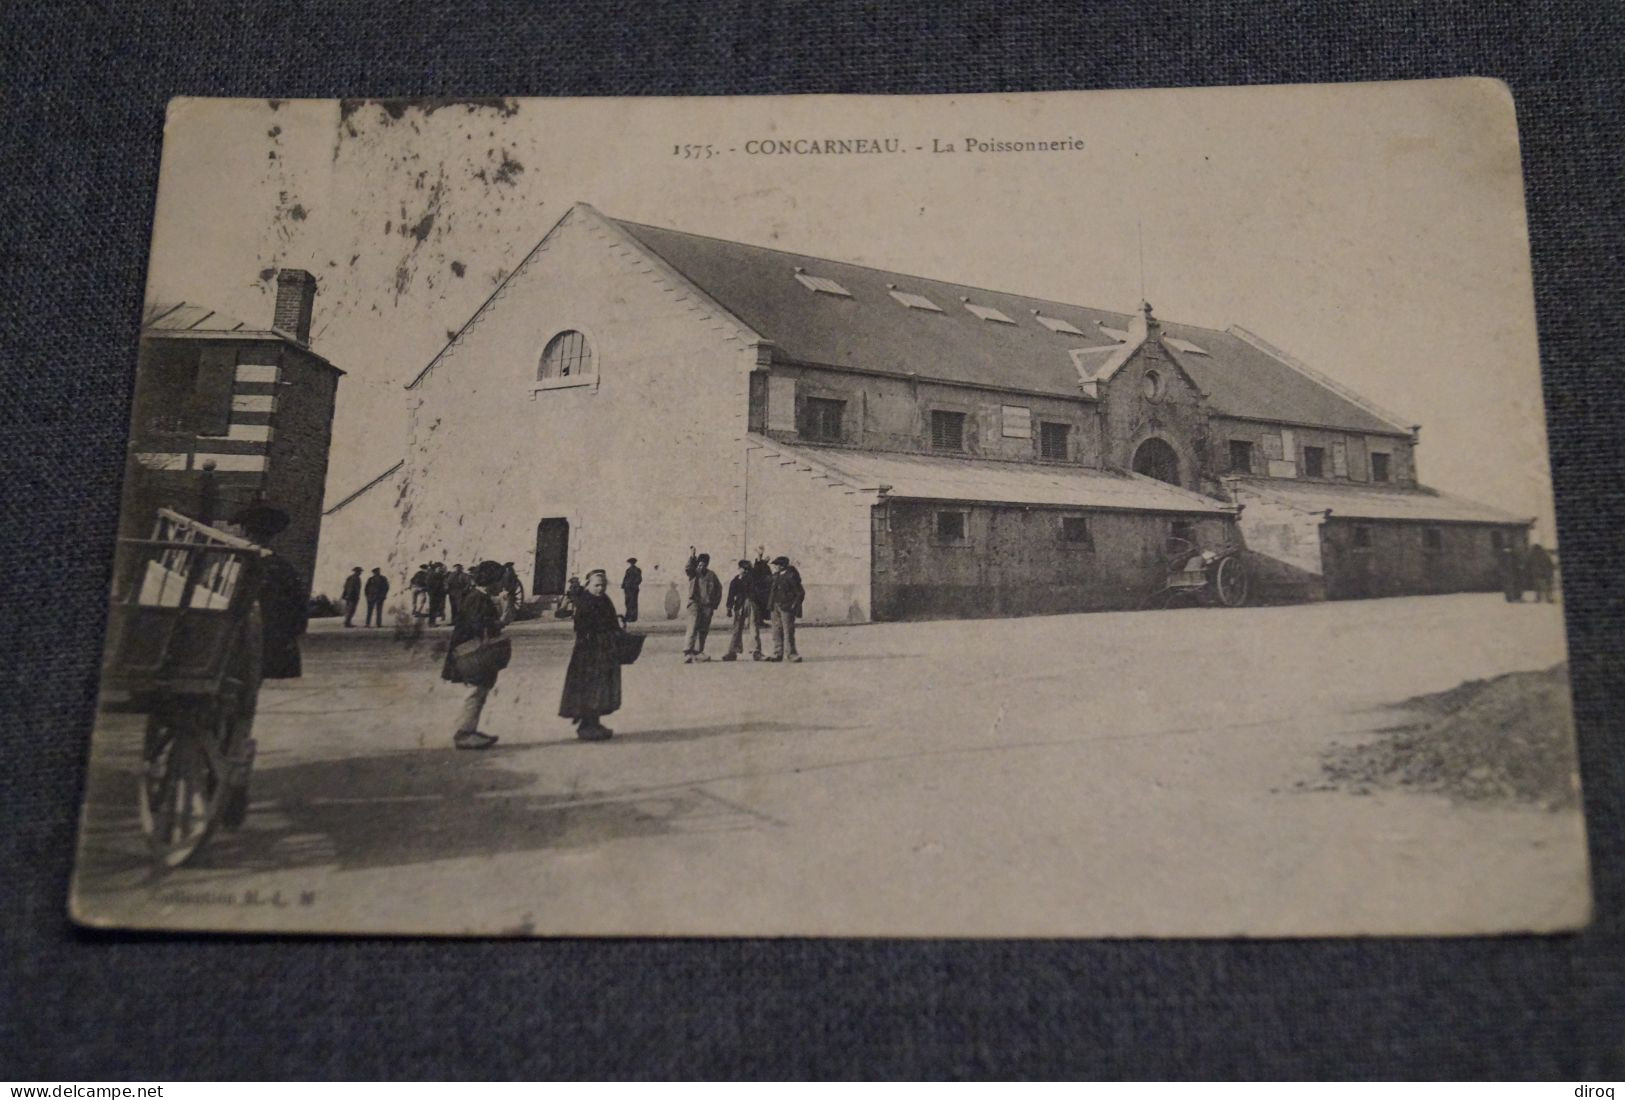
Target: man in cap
437,592
377,588
457,585
784,604
420,590
482,616
1542,570
704,594
742,607
630,583
351,595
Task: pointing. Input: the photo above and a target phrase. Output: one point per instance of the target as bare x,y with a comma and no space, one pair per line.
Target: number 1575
694,152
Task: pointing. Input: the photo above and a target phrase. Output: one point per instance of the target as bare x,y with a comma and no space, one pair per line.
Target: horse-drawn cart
184,639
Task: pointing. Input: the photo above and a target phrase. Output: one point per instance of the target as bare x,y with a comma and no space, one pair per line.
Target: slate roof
188,316
872,330
188,319
930,477
1368,502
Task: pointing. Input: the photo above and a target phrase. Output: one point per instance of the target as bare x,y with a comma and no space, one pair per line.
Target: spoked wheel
183,782
1230,581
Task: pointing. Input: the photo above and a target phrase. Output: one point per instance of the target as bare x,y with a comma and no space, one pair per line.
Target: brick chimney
295,292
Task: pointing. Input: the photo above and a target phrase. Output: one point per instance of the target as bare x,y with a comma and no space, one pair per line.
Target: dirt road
1109,774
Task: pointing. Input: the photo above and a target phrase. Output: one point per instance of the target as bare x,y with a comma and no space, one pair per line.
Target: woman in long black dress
592,684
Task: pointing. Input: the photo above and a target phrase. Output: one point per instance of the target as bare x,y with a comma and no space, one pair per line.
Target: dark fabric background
84,93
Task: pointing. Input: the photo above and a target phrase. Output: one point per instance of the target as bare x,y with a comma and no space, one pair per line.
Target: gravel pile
1506,739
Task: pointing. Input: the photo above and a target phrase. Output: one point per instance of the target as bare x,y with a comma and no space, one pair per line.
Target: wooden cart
1202,576
184,642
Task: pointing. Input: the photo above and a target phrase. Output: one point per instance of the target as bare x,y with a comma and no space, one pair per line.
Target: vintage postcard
1074,514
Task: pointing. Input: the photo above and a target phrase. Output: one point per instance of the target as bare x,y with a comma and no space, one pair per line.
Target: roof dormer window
987,313
1055,324
1120,335
820,285
915,301
1183,345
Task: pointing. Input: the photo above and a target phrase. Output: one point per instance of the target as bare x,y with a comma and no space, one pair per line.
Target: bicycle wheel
183,782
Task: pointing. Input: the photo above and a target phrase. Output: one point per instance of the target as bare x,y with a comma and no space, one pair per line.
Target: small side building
1324,540
226,413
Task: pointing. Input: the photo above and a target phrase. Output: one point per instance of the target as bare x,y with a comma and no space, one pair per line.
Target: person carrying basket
478,652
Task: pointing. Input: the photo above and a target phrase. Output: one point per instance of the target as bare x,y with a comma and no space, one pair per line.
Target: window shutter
781,403
211,400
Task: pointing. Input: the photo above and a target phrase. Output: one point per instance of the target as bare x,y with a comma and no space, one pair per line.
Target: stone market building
919,448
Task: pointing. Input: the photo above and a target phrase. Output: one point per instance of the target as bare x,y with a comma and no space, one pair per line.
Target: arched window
567,355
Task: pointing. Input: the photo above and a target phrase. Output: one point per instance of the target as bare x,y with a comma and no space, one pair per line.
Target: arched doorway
1155,458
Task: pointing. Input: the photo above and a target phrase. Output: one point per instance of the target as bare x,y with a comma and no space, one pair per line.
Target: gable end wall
643,461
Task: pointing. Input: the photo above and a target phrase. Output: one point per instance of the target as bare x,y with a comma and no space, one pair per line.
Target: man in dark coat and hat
351,595
1541,571
784,604
704,596
282,602
631,581
377,588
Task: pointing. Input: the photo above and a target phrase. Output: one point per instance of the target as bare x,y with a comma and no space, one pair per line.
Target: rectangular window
1498,540
1432,538
1053,439
947,430
1340,459
1379,466
1314,462
1016,422
821,419
1241,456
1075,532
1183,534
1362,537
949,528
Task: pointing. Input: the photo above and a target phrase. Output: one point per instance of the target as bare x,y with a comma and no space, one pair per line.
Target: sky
1375,231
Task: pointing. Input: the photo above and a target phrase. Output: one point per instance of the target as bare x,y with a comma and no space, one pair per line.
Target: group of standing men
761,590
375,588
433,589
1530,569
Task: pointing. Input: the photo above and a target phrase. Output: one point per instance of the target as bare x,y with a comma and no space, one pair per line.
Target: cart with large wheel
1207,577
184,650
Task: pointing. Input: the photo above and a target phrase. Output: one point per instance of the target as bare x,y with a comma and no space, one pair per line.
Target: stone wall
1356,446
822,526
894,414
1396,559
643,457
1175,413
1015,561
297,454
